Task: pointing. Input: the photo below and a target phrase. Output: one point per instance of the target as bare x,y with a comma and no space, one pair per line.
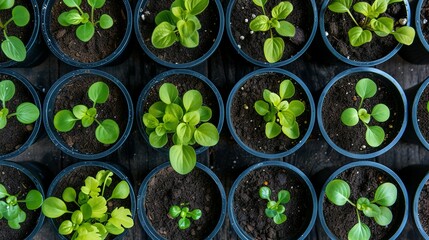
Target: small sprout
275,210
185,215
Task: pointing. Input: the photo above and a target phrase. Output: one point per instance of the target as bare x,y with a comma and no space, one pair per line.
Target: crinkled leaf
121,218
283,106
182,158
65,228
206,135
364,115
366,88
85,32
360,231
11,212
20,16
340,6
163,35
273,49
374,136
291,132
33,200
192,100
106,21
265,193
98,206
27,113
282,10
405,35
107,132
53,207
260,23
338,191
196,7
380,112
91,187
121,191
385,217
14,48
77,217
98,92
286,29
272,130
64,121
358,36
386,194
104,177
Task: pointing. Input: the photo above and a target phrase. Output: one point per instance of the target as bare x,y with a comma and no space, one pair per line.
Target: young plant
179,24
87,23
185,215
26,113
274,46
10,209
91,218
275,109
275,210
338,192
181,119
374,20
366,88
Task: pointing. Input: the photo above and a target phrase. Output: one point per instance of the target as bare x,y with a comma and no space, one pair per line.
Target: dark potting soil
75,92
423,114
177,53
343,95
244,11
338,25
168,188
424,18
363,182
250,126
250,208
102,44
424,207
16,182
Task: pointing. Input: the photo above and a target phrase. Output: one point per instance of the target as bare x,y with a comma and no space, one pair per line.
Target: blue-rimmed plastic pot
363,177
419,114
163,188
74,176
420,207
71,90
340,94
212,21
248,128
373,53
106,46
247,210
21,136
250,45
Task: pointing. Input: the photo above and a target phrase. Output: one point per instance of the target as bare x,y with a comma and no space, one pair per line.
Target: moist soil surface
197,189
17,183
422,114
363,182
244,11
342,95
337,27
250,127
177,53
249,208
102,44
75,92
424,18
424,207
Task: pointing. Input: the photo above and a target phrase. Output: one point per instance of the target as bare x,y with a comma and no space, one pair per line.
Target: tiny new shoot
274,46
366,88
275,210
185,215
338,192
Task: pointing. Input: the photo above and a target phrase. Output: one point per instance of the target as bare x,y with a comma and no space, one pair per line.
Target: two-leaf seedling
338,192
86,22
366,88
375,20
275,109
179,24
181,118
185,215
275,210
107,131
91,218
274,46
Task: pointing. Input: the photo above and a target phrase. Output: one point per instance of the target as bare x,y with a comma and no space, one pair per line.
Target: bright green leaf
91,187
386,194
338,192
260,23
14,48
360,231
65,228
206,135
405,35
164,16
96,3
366,88
363,8
184,223
283,197
273,49
205,114
297,107
287,89
174,211
382,26
196,7
371,210
374,136
261,107
168,93
282,10
98,206
286,29
184,132
121,191
272,130
182,158
106,21
85,32
378,7
98,92
27,113
157,141
265,193
358,36
7,90
64,121
77,217
192,118
191,41
150,121
163,35
107,132
33,200
3,191
121,218
79,111
157,109
380,112
192,100
53,207
196,214
86,211
287,118
340,6
279,218
259,3
364,115
20,16
291,132
385,217
6,4
186,28
72,3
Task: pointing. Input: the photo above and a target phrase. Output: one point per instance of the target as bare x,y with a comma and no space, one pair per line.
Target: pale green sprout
275,209
185,215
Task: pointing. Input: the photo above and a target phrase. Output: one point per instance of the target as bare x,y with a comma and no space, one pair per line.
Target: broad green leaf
11,212
14,48
178,12
164,16
178,3
98,206
273,49
168,93
65,228
20,16
182,158
27,113
363,8
280,209
33,200
386,194
6,4
69,194
72,3
174,211
7,90
259,3
3,191
85,32
3,117
282,10
366,88
106,21
283,106
157,141
121,218
364,115
184,132
382,26
270,212
87,121
279,218
73,17
196,7
272,130
291,132
205,114
340,6
262,107
287,89
338,192
64,121
374,136
107,132
265,193
379,7
192,118
260,23
206,135
380,112
184,223
385,217
286,29
195,214
157,109
15,222
297,107
287,118
170,122
371,210
62,19
195,20
98,92
362,203
102,231
404,35
91,187
88,232
186,28
192,100
96,3
358,36
54,207
274,99
360,231
82,198
150,121
104,177
79,111
121,191
163,35
86,211
274,23
283,197
191,41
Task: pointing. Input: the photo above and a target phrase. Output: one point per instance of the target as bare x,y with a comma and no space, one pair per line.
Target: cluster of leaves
366,88
179,24
185,215
275,109
338,192
274,46
91,219
374,21
77,16
182,118
275,210
26,112
107,131
9,206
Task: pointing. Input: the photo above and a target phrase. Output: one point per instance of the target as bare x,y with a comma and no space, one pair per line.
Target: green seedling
366,88
90,215
275,210
274,46
87,22
26,113
275,109
185,120
338,192
374,20
185,215
179,24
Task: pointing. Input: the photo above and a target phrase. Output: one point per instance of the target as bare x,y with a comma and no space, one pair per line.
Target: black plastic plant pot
420,211
107,46
340,94
363,177
301,210
71,90
212,21
163,188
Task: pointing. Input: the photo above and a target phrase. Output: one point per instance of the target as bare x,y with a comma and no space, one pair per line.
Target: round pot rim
419,26
159,78
414,109
311,120
47,111
145,222
192,63
263,63
415,209
337,78
55,49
